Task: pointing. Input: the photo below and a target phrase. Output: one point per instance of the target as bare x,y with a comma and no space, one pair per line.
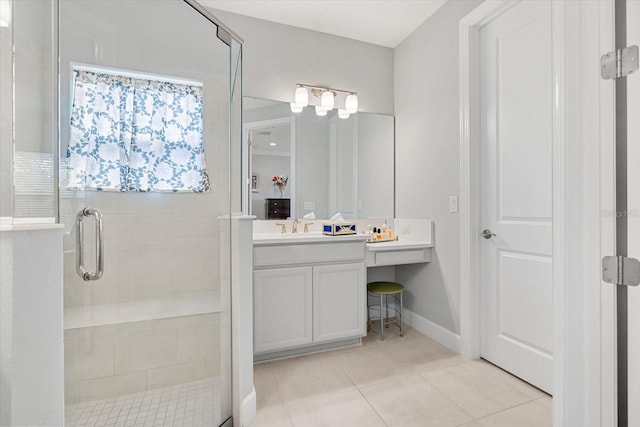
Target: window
130,134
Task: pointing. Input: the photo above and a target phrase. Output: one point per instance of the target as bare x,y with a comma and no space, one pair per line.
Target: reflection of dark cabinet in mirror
278,208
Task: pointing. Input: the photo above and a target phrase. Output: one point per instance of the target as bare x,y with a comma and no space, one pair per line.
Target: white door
516,191
633,217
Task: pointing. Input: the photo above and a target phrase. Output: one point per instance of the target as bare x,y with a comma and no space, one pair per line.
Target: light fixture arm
317,90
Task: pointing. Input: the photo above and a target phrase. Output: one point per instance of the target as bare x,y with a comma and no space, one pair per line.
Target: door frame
583,228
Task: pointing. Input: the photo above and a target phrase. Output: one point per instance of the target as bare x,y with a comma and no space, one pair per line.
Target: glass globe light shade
320,111
326,101
351,104
302,97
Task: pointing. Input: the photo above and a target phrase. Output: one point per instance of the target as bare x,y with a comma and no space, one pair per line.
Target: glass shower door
144,124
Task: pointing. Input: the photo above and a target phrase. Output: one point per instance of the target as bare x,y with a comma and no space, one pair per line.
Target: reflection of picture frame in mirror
254,182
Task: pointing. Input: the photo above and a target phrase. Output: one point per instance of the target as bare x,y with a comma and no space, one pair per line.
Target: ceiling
381,22
261,140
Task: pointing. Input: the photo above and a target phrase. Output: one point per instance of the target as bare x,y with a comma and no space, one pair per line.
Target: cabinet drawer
314,253
279,204
407,256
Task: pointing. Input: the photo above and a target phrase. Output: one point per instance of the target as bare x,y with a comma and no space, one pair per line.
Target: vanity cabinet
282,310
311,294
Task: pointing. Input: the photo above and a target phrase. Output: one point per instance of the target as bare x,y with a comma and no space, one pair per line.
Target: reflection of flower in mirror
280,182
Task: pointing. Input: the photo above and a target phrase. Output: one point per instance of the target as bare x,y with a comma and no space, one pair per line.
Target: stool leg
368,319
382,301
401,323
387,310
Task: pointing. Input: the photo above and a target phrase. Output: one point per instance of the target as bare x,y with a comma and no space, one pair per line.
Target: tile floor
402,381
191,404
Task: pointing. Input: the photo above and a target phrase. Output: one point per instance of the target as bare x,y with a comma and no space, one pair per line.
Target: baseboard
248,409
432,330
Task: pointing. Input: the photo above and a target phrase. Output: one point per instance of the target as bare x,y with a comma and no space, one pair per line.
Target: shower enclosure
124,116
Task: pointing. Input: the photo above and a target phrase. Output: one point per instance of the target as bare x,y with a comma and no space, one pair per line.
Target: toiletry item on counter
338,228
380,234
310,215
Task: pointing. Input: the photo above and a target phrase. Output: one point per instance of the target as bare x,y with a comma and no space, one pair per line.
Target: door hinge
619,63
621,270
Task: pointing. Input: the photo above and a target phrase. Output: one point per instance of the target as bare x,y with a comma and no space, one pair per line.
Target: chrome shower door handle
82,272
487,234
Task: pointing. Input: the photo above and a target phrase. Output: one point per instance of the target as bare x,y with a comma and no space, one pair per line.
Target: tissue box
338,228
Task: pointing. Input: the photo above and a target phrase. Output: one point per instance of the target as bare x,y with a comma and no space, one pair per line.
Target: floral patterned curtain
131,134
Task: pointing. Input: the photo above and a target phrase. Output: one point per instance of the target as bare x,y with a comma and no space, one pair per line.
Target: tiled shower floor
191,404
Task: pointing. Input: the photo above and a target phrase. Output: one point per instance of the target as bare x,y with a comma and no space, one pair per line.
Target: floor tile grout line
372,407
485,361
472,418
504,410
490,414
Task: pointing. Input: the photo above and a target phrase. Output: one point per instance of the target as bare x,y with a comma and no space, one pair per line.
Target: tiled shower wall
156,246
113,360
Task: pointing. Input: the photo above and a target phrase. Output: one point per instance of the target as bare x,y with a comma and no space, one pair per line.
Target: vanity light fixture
343,114
273,144
351,103
320,111
301,97
327,100
325,97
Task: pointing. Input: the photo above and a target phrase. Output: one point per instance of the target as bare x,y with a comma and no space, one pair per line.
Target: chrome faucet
294,229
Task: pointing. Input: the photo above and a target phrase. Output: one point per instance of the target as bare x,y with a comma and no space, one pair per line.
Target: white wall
375,166
278,56
427,158
31,354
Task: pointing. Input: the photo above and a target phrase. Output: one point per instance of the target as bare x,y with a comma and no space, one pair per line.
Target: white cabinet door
282,308
516,146
338,302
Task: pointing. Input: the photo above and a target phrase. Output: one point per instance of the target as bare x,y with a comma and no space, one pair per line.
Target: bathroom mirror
330,164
